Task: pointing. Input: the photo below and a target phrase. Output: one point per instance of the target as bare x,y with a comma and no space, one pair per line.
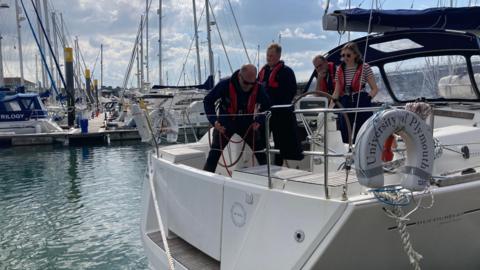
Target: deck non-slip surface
186,254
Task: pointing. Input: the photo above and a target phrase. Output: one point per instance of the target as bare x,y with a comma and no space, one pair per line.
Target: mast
101,66
20,54
36,72
196,42
210,52
159,42
2,82
141,54
41,40
47,24
55,45
146,40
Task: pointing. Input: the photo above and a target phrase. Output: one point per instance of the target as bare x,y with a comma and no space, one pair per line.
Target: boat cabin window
12,106
28,104
396,45
475,59
431,77
382,96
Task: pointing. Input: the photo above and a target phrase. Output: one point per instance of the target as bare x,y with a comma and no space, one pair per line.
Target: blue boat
24,113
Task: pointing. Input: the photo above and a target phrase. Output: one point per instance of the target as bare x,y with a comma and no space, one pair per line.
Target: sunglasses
346,55
318,66
247,82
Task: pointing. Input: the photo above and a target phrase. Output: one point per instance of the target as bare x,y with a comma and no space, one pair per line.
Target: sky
296,24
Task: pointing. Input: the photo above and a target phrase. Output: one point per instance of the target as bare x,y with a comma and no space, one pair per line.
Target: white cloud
299,32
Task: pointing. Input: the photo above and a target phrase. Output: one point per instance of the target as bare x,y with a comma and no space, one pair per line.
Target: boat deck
186,254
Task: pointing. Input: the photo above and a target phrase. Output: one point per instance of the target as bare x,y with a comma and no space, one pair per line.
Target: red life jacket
355,85
272,81
252,99
325,86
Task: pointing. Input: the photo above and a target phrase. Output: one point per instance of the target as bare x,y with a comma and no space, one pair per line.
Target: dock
97,134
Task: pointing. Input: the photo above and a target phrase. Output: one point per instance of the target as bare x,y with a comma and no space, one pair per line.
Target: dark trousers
350,101
219,142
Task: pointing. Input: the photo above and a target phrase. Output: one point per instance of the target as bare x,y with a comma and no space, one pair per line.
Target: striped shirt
350,72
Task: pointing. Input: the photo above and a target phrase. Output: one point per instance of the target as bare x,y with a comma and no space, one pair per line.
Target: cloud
300,33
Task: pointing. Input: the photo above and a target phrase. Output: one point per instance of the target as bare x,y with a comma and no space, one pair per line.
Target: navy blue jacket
287,86
221,92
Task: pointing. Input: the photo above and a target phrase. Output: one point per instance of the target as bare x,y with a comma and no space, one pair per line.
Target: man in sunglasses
325,73
281,86
241,98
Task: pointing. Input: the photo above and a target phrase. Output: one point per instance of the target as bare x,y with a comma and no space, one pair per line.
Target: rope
397,197
229,140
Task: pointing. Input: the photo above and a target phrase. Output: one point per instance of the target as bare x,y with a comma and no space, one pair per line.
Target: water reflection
74,191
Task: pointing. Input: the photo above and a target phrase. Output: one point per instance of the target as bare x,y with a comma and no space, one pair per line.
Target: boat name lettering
12,116
398,121
440,219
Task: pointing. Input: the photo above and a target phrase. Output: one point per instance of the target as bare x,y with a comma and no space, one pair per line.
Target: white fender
418,140
141,123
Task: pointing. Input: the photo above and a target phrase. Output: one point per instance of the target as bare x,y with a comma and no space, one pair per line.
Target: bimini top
461,18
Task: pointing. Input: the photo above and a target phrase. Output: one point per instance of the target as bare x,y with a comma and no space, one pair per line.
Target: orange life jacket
329,86
355,85
233,106
272,81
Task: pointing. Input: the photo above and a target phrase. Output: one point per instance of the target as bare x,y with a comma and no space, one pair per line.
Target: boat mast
159,42
101,66
141,54
2,82
210,52
41,40
146,40
196,42
47,24
55,46
20,54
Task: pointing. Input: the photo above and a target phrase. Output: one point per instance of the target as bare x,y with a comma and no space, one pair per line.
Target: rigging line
190,49
363,65
95,63
49,46
221,39
132,58
238,29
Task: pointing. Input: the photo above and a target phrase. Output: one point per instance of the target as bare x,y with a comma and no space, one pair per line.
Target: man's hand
219,127
255,125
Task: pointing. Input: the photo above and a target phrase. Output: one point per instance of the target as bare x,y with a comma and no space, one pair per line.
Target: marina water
72,207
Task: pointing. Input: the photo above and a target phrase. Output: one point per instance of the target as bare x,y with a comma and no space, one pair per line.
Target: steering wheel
330,99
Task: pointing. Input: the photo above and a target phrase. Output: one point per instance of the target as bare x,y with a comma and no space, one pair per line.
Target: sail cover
462,18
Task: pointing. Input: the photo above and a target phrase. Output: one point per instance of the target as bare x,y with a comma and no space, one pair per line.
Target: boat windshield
432,77
12,106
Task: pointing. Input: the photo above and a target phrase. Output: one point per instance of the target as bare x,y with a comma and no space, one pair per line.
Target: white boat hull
245,225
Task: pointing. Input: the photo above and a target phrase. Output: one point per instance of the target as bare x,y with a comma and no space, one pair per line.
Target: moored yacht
342,207
24,113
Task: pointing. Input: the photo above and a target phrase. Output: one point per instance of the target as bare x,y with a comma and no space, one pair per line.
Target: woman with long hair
350,81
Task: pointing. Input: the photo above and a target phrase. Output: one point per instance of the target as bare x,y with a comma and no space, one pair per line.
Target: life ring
418,140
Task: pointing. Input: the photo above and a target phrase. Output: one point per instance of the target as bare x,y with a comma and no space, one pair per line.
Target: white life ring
418,140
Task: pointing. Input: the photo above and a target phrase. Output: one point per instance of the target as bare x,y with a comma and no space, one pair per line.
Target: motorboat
24,113
342,206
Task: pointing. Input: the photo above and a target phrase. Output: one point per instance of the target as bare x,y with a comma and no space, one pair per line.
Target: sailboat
340,208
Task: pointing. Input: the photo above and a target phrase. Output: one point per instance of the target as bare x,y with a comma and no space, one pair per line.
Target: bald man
241,97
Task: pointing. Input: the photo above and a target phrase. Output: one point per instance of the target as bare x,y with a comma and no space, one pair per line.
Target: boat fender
419,148
141,122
